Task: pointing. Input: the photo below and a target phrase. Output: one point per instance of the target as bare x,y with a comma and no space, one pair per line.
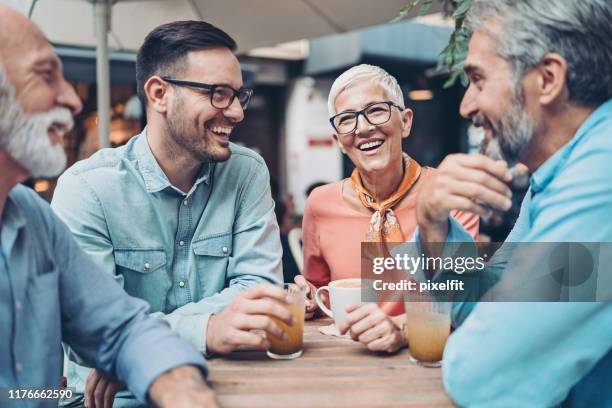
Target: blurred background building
287,120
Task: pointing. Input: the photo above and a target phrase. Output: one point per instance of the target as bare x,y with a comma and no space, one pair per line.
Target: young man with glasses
183,218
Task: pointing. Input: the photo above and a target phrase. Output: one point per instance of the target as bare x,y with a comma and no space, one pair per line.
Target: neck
11,175
178,165
558,128
383,183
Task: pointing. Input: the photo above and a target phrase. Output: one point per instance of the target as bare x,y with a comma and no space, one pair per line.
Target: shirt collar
13,220
154,177
547,171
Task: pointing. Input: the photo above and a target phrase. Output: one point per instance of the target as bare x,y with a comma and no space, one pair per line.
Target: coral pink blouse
332,232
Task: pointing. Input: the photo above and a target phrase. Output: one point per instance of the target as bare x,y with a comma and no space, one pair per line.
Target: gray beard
512,134
25,137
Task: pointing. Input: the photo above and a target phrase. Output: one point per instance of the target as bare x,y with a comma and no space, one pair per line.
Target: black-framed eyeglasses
376,113
222,96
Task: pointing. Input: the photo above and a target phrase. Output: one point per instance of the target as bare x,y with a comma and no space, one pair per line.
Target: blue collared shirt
51,291
188,254
541,354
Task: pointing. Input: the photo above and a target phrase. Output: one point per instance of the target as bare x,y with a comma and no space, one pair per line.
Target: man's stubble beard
191,138
511,134
25,136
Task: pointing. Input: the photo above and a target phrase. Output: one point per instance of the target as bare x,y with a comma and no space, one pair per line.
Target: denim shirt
51,291
187,254
542,354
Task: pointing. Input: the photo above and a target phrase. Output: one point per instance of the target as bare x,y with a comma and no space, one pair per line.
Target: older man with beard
540,85
50,290
180,216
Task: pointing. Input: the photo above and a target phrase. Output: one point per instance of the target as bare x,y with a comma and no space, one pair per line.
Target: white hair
361,73
25,136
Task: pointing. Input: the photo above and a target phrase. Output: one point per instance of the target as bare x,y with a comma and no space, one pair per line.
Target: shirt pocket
212,255
144,274
44,302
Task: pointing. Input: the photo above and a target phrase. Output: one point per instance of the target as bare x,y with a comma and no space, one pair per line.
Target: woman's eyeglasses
376,113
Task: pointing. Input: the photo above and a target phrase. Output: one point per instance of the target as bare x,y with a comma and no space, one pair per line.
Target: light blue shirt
51,291
542,354
188,254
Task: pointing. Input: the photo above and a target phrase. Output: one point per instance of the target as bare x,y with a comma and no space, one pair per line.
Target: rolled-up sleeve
108,328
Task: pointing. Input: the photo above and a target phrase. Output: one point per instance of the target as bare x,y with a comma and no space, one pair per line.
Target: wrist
183,377
434,230
210,334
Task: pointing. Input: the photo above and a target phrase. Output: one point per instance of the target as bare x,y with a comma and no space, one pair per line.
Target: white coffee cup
342,294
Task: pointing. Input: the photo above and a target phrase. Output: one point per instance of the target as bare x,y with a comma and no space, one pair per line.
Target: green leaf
462,8
451,81
424,7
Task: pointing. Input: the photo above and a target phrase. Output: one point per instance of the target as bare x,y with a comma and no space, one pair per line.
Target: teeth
222,130
370,144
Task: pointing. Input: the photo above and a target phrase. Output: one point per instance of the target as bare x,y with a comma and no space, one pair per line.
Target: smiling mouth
370,146
56,133
223,132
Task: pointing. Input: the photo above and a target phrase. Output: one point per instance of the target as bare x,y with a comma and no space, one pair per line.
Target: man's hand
369,325
465,182
181,387
252,309
309,302
100,390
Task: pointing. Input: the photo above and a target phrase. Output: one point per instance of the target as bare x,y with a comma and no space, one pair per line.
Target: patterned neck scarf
384,226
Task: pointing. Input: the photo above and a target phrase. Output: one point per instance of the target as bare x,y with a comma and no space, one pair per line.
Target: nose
68,98
234,111
468,107
363,126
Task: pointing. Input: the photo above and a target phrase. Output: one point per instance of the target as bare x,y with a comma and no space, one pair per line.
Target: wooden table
332,372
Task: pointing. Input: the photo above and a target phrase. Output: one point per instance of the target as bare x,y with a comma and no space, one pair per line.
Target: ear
406,122
335,137
156,91
552,78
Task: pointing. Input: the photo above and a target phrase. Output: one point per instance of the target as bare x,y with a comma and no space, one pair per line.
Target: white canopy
252,23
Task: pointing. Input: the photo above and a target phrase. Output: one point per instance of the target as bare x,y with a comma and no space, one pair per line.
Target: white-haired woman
375,204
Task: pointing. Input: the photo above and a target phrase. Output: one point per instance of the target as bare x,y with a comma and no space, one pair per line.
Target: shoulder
27,199
244,166
31,205
323,196
99,171
103,159
325,193
243,156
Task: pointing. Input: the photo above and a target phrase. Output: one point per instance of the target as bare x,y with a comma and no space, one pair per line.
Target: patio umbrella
123,24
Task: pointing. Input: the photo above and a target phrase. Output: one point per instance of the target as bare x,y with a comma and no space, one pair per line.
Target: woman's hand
310,303
369,325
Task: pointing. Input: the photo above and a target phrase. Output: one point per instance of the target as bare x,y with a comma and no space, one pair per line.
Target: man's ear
406,122
335,137
156,91
552,78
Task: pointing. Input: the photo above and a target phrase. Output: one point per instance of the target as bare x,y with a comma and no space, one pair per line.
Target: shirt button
225,249
147,265
18,306
181,243
181,284
18,367
186,202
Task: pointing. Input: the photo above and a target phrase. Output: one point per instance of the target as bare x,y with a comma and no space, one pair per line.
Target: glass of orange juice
291,346
428,325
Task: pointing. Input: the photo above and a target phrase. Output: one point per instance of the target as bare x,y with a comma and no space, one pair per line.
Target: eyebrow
470,69
366,106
